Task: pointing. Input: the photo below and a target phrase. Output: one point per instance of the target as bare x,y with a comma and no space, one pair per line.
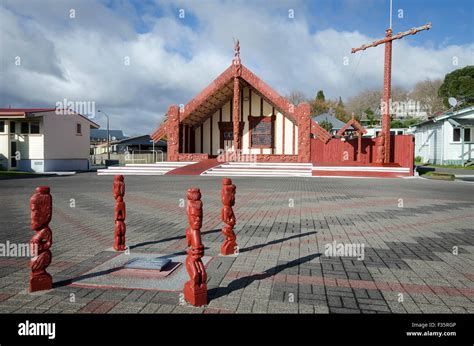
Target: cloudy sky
134,58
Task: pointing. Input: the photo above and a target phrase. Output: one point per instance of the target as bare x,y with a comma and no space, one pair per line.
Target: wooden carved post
303,111
380,148
236,96
387,81
387,89
195,290
41,206
173,133
227,215
359,145
119,213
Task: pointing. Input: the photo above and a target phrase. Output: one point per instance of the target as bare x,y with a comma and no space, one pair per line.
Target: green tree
460,85
340,103
319,105
320,96
339,110
326,125
370,116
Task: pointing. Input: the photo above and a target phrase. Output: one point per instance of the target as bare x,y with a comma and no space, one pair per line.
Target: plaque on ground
148,263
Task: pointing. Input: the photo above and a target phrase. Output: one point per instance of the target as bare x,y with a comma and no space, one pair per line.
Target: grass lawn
417,163
439,176
453,166
15,174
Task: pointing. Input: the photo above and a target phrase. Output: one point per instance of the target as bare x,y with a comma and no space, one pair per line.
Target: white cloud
83,59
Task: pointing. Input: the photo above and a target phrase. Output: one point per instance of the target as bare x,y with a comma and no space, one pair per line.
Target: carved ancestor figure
41,206
227,216
119,213
195,290
380,148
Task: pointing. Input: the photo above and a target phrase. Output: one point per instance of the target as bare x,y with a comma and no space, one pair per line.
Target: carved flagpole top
236,59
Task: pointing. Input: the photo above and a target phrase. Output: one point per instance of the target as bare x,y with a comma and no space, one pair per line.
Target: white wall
434,143
4,143
61,140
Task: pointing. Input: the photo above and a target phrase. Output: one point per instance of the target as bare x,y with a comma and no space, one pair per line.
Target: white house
44,140
446,139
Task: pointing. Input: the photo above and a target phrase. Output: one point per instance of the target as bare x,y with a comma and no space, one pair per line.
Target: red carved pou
41,206
380,148
227,216
195,290
119,213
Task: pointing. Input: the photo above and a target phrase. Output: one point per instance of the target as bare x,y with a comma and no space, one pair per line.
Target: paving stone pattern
417,237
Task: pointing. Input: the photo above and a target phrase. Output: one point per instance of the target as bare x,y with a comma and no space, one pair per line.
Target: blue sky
453,19
172,58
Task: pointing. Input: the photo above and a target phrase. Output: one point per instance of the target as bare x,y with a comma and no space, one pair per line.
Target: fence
134,156
337,152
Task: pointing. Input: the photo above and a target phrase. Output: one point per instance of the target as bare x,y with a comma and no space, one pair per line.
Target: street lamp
108,134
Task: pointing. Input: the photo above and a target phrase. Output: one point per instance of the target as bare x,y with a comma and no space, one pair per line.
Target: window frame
470,134
2,126
78,127
21,128
39,128
466,130
253,122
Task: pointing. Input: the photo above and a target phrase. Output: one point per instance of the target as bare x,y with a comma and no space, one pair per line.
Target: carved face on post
194,208
228,192
119,186
41,205
381,139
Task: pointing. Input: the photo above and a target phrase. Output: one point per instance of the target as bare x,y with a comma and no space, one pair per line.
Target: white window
457,135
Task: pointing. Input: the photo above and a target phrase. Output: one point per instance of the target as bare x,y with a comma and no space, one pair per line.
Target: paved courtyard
417,238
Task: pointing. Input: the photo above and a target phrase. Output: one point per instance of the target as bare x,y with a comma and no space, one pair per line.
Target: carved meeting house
238,111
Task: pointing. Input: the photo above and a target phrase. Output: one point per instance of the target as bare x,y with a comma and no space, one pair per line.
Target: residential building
44,140
447,138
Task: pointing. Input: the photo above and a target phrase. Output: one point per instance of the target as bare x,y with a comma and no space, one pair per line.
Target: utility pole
387,77
108,134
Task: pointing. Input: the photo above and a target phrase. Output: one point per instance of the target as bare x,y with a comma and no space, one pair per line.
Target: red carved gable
355,124
220,90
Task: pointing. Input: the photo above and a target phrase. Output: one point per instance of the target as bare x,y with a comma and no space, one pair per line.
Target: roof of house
336,123
448,115
102,134
26,112
141,140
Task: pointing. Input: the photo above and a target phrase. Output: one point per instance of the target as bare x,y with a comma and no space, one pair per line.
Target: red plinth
41,282
194,295
195,290
41,206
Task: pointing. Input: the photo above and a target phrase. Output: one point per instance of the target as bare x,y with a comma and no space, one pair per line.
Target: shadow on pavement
243,282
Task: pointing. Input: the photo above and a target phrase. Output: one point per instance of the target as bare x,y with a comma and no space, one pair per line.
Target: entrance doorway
13,150
226,135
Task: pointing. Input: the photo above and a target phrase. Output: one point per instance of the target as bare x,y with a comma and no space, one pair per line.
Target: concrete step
279,171
111,172
361,169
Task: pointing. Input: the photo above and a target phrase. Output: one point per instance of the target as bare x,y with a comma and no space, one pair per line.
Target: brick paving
408,227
